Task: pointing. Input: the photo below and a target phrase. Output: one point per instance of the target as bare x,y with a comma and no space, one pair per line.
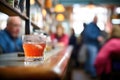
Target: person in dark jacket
92,39
9,38
82,49
84,25
72,40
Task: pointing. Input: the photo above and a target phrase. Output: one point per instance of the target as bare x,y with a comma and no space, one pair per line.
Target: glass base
30,59
33,63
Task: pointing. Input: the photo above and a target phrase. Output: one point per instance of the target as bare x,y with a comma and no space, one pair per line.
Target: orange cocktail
34,50
34,46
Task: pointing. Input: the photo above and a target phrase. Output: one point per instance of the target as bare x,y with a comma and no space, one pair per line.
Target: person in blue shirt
91,38
9,37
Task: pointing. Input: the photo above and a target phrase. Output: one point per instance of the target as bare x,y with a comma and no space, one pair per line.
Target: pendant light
59,8
60,17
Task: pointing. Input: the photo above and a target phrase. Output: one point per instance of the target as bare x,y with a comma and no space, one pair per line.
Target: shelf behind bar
7,9
34,25
10,11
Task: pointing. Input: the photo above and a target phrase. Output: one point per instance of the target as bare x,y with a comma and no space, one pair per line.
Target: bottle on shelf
10,2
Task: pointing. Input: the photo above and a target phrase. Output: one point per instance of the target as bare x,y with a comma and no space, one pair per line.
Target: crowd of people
91,45
95,49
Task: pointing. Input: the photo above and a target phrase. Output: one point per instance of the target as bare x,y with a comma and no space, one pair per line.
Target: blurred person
60,39
82,49
84,25
81,35
91,38
102,62
73,42
9,37
72,39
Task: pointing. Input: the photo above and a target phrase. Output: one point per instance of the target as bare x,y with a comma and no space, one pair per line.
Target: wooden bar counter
54,66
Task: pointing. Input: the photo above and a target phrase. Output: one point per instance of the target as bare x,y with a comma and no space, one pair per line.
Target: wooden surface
53,67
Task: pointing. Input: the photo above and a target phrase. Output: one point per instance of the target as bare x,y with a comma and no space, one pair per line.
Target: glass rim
32,37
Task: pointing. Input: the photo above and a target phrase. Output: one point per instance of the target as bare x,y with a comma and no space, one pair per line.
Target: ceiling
71,2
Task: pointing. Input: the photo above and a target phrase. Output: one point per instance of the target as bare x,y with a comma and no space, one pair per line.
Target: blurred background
46,14
71,13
